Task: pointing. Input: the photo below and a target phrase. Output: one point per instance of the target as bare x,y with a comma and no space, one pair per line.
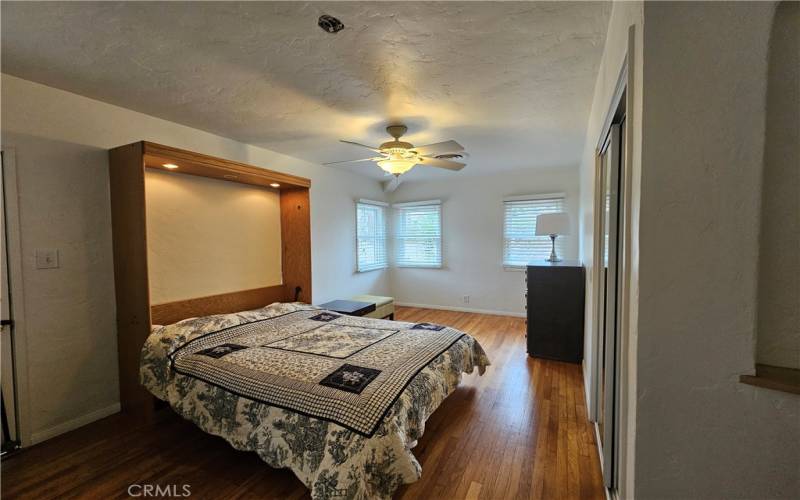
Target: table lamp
552,225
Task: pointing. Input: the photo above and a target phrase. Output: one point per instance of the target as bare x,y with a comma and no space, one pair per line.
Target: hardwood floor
520,431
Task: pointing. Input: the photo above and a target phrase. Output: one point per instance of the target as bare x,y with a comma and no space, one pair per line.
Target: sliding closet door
602,286
608,419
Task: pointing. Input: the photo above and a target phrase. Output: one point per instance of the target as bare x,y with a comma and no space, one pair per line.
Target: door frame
626,336
620,91
10,183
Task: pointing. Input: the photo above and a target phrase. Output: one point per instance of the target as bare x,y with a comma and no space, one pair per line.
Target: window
520,243
418,234
370,235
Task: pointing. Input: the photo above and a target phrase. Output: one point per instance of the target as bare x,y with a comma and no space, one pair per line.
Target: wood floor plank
521,431
474,491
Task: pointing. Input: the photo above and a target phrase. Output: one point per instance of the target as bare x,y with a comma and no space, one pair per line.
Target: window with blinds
370,236
520,243
418,234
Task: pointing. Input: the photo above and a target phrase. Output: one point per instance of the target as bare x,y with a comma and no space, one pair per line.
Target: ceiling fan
398,157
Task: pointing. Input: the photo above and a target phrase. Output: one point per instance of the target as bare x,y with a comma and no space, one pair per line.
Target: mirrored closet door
608,293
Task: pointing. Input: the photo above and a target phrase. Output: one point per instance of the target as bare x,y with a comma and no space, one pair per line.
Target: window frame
398,208
529,197
383,206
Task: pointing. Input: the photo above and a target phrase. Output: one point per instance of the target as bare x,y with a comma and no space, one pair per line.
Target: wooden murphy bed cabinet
135,312
555,309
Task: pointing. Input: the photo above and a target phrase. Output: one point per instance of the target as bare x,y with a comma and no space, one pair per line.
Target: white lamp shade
555,223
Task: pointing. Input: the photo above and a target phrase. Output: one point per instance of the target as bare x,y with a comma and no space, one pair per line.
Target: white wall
472,239
779,259
209,236
61,142
699,432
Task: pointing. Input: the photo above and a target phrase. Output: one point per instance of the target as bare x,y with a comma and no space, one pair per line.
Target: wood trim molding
172,312
296,243
131,285
189,162
776,378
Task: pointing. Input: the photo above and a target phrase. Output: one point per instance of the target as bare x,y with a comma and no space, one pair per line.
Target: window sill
419,267
774,377
362,271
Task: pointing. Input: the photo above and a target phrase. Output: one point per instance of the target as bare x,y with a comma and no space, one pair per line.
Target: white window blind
418,234
370,236
520,243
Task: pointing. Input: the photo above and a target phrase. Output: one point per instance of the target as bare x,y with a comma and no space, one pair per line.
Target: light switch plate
46,258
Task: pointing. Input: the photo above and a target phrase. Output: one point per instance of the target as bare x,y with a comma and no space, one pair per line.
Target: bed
339,400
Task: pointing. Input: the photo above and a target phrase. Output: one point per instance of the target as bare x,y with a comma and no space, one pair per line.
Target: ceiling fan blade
353,161
436,162
362,145
439,148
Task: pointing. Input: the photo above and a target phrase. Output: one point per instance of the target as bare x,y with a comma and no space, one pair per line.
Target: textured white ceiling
511,81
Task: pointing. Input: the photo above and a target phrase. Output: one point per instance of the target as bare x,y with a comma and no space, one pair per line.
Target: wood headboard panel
172,312
135,313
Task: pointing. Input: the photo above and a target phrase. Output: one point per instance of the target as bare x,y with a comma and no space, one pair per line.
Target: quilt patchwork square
333,340
350,378
325,317
427,326
218,351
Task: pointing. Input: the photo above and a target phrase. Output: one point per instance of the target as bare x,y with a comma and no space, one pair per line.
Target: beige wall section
61,142
206,236
779,259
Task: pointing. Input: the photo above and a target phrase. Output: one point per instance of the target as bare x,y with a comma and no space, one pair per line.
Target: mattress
339,400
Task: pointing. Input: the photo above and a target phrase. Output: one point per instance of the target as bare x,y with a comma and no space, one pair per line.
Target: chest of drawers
555,310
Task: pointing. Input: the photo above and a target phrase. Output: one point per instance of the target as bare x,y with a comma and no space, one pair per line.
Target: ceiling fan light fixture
398,157
397,166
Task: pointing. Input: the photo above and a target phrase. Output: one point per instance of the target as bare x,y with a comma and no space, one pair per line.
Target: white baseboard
463,309
51,432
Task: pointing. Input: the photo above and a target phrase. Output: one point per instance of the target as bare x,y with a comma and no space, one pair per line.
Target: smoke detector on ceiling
330,24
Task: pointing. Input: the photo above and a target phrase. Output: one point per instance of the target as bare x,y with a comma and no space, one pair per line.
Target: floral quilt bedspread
339,400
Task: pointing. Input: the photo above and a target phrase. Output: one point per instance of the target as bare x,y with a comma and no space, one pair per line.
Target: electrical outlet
465,299
46,258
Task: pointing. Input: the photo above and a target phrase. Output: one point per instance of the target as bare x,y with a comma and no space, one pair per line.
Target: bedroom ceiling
511,81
